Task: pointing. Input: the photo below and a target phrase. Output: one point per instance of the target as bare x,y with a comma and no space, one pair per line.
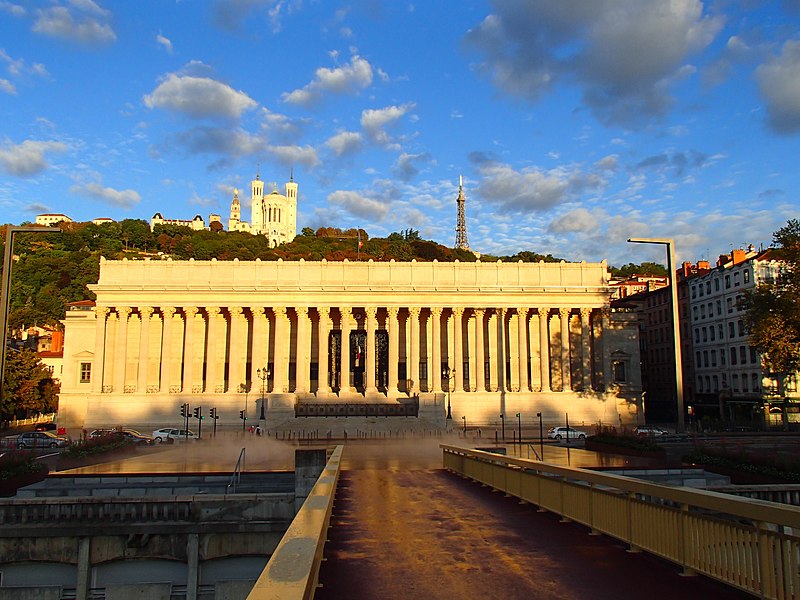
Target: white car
170,435
558,433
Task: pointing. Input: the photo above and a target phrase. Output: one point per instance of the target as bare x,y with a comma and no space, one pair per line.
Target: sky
575,124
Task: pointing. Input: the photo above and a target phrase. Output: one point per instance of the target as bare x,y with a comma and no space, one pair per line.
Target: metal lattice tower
461,223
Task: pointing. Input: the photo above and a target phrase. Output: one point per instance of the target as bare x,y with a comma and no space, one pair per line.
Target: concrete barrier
292,572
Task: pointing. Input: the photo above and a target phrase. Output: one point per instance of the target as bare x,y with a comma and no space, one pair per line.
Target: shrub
739,460
624,440
93,446
13,464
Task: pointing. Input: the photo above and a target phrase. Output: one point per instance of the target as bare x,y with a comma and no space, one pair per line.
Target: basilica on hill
307,345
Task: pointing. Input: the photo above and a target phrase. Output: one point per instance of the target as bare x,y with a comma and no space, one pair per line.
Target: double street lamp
449,374
676,328
263,374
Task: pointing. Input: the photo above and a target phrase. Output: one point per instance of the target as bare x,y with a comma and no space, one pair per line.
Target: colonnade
307,349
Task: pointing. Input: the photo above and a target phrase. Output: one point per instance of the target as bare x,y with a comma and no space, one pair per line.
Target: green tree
773,310
28,387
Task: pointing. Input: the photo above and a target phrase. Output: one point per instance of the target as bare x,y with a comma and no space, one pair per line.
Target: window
745,384
731,331
735,382
713,357
715,379
694,313
699,384
746,275
719,307
754,380
710,309
722,357
716,285
694,292
733,356
86,372
697,359
721,332
703,311
727,281
736,279
705,358
753,356
729,304
739,303
705,334
712,332
743,355
701,290
619,371
740,326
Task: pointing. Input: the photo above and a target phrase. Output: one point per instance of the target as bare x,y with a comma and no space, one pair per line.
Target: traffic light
196,412
184,409
214,413
242,416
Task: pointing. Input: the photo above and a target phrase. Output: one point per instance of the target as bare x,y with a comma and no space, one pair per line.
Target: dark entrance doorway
358,358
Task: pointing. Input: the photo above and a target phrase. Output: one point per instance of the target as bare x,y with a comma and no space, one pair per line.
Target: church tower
291,207
257,200
236,212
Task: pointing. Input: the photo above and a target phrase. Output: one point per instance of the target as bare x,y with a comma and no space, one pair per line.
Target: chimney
723,259
738,256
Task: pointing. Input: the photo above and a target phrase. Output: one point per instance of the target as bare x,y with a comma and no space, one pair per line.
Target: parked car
170,435
558,433
649,430
49,426
97,433
135,438
41,439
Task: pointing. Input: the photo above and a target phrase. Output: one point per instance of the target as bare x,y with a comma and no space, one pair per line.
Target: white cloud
59,22
608,163
373,121
199,97
15,10
7,87
347,79
579,219
18,67
122,198
531,189
27,158
220,140
779,83
358,205
624,53
165,42
295,155
404,167
345,142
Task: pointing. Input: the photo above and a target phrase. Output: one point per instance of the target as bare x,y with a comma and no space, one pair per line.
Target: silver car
41,439
170,435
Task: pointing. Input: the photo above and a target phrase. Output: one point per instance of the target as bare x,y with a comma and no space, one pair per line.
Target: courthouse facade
485,338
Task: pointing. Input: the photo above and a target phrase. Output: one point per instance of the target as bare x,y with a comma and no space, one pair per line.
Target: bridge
486,525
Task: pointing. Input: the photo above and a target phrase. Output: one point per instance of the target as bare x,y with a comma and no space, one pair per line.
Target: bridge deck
426,533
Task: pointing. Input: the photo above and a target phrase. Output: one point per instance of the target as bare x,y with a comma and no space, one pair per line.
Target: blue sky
576,124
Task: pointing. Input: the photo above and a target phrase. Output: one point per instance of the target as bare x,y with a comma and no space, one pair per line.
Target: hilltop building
48,219
273,215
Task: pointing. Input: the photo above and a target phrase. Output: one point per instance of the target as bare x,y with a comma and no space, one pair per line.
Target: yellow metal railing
749,544
292,572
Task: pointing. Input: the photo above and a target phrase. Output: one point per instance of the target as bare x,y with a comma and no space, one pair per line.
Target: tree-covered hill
50,271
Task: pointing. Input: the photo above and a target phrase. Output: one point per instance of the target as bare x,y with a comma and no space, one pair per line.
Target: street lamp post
464,418
519,428
263,374
541,435
8,254
676,330
503,425
449,375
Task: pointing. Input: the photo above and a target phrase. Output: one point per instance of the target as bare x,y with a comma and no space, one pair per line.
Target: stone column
371,351
167,314
480,354
237,356
393,330
215,360
121,354
282,341
84,578
501,349
436,351
605,379
522,350
586,350
192,565
345,325
259,357
98,364
413,371
190,315
544,348
303,356
566,376
458,348
145,314
325,326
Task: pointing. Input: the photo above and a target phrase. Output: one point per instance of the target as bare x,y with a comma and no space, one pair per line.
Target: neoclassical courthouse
361,341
